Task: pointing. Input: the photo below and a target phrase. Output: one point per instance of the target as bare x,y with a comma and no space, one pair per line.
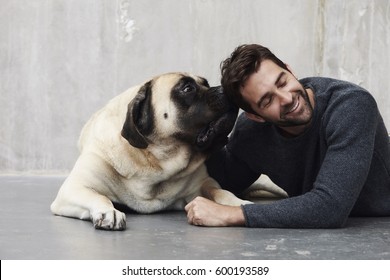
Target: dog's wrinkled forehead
168,82
173,90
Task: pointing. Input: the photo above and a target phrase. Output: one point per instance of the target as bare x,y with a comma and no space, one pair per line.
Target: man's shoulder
333,93
340,104
331,86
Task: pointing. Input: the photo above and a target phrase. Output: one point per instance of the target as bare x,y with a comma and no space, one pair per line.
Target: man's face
278,97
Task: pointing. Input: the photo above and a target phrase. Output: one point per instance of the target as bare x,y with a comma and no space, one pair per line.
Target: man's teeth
294,108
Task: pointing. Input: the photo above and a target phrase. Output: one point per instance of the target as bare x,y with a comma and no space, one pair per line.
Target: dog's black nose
216,90
218,101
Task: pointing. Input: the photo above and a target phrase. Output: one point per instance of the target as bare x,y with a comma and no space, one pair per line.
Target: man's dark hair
236,69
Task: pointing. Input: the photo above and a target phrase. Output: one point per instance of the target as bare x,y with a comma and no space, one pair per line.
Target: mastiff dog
146,150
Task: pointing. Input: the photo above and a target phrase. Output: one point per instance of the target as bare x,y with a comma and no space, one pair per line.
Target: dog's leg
76,198
211,190
87,204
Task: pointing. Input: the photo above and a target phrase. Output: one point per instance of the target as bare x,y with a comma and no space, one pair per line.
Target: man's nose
285,97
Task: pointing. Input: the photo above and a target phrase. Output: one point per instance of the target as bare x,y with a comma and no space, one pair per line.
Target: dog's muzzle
215,134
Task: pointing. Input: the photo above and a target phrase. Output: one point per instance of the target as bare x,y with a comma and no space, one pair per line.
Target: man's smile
294,107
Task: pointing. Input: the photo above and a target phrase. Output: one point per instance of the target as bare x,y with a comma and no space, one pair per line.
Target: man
322,140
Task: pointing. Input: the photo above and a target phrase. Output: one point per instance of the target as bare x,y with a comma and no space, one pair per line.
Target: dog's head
179,107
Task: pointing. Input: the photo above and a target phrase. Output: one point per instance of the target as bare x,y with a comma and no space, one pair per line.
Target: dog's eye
188,88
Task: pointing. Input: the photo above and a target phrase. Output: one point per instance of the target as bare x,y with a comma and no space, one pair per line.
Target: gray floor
28,230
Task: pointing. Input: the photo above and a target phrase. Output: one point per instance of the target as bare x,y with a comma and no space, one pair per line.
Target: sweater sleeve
349,127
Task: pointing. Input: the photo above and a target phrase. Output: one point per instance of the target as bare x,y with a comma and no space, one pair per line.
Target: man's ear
254,117
139,119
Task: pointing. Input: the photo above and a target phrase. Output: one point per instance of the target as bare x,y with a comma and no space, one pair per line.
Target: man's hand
204,212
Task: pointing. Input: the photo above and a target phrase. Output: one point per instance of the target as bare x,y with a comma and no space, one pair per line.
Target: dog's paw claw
110,220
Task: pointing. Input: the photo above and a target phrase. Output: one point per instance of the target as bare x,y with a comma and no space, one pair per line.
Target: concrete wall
61,60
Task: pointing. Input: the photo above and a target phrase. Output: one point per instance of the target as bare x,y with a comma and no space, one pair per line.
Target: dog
146,150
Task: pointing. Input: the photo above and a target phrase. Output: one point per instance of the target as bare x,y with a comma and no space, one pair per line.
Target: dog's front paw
109,220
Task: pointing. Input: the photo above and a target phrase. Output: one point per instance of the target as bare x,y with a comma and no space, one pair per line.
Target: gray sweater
339,167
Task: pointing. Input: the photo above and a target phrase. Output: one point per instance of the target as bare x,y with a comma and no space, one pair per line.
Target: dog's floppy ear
139,119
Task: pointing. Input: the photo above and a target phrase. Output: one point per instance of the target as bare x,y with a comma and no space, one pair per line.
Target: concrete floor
28,230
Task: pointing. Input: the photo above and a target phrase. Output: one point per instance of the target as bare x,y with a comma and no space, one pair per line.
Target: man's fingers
187,207
192,220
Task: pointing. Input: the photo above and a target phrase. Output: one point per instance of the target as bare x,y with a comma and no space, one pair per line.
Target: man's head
263,86
242,63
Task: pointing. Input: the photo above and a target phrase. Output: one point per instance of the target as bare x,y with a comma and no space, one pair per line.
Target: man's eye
282,84
266,101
